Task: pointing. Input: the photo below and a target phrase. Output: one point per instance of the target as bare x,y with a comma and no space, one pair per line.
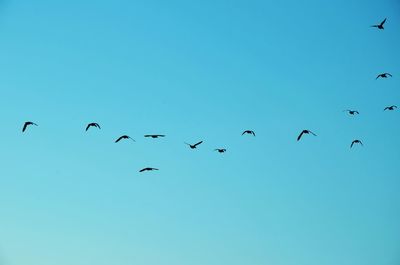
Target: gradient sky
199,70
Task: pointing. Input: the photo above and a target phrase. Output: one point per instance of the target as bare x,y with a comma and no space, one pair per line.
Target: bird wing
253,133
378,76
389,74
357,112
361,143
352,143
144,169
198,143
300,135
119,139
24,128
88,126
375,26
97,125
244,132
312,133
383,22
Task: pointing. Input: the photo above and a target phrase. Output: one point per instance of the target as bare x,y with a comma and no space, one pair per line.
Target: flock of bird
380,26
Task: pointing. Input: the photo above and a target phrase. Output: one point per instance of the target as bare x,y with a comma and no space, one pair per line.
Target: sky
199,70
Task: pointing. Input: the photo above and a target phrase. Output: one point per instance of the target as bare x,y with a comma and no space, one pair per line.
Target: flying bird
26,124
124,137
154,135
352,112
305,132
148,169
194,146
379,26
93,124
356,142
390,108
383,75
249,132
220,150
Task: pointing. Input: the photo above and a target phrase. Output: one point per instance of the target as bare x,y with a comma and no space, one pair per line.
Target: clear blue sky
199,70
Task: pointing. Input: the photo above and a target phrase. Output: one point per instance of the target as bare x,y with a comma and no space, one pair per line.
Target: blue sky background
199,70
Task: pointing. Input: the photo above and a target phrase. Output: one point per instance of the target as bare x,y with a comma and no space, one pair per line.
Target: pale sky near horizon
199,70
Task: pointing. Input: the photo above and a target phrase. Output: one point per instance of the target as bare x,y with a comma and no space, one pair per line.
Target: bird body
26,124
384,75
352,112
356,142
93,124
305,132
390,108
154,135
380,25
249,132
194,146
124,137
148,169
220,150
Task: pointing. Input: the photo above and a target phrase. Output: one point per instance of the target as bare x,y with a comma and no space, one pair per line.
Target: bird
390,108
356,142
352,112
26,124
379,26
93,124
148,169
124,137
154,135
249,132
383,75
305,132
220,150
194,146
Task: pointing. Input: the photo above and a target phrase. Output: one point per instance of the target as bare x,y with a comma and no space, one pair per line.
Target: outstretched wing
383,22
198,143
378,76
24,128
119,139
253,133
88,126
389,74
312,133
352,143
97,125
244,132
300,135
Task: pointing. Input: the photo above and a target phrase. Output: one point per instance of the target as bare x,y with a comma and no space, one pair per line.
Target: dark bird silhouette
148,169
383,75
154,135
379,26
220,150
305,132
356,142
26,124
352,112
124,137
194,146
93,124
249,132
390,108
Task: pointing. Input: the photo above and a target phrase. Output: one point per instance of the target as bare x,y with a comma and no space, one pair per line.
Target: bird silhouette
356,142
383,75
124,137
305,132
154,135
148,169
222,150
93,124
379,26
249,132
390,108
26,124
194,146
352,112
